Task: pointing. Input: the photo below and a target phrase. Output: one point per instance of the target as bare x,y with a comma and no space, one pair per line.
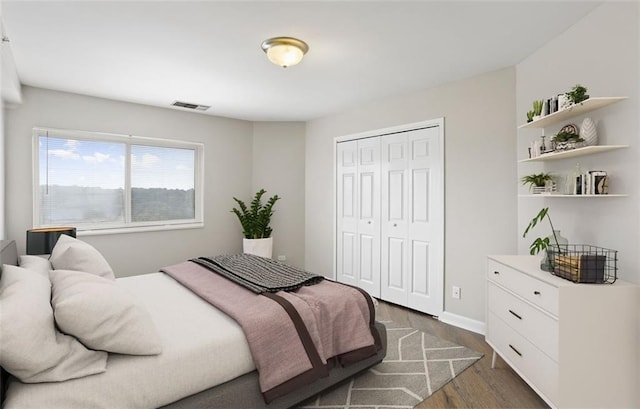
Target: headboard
8,255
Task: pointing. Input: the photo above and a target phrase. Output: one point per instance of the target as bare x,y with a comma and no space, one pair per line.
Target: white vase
258,247
588,132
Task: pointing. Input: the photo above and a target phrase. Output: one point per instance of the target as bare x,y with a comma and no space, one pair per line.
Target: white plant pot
258,247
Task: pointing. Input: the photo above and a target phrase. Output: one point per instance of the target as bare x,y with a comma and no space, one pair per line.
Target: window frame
127,226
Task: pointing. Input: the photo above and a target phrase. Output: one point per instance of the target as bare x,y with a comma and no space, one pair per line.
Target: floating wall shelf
590,104
587,150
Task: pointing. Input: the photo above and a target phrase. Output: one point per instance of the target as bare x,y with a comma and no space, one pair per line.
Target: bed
205,360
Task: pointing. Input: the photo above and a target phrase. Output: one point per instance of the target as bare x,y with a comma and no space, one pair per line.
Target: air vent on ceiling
190,106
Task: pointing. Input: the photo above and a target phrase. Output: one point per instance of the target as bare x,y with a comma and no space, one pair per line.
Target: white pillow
101,314
36,263
73,254
30,346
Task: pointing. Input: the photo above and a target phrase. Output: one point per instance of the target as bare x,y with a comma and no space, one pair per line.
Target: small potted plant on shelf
538,182
530,116
255,222
564,140
577,94
537,110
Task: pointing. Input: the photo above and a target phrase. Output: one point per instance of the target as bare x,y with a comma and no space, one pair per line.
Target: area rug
417,364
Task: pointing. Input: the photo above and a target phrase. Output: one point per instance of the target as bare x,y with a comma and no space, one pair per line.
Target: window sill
139,229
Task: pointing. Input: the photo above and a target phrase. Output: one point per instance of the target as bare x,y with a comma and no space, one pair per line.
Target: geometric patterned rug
417,364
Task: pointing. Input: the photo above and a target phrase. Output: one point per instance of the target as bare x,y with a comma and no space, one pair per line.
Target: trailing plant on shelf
564,136
537,179
577,94
255,219
540,244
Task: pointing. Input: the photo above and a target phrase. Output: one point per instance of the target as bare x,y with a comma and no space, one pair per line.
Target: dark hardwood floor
479,386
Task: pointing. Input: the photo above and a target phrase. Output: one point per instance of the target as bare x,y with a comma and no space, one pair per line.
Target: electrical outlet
456,292
282,258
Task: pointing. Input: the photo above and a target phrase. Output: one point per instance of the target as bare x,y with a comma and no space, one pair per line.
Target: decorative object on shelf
540,244
588,132
255,224
577,94
538,182
537,109
563,102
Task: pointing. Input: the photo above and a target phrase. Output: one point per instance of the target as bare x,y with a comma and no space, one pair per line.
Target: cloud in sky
147,160
97,157
64,154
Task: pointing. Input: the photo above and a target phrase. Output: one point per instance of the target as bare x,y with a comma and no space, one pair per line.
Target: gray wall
480,176
228,171
601,53
278,167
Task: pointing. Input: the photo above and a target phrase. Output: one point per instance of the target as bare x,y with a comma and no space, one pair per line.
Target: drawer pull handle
496,272
536,293
515,315
515,350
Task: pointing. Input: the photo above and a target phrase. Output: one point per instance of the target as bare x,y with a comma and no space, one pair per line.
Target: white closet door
346,212
368,241
394,221
412,225
358,214
425,269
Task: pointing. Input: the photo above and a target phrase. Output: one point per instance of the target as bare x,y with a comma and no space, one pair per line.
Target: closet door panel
347,268
426,221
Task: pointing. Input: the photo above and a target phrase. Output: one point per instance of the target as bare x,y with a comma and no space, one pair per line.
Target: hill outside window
107,183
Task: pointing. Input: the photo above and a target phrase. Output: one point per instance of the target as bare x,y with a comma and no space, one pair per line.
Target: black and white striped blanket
258,274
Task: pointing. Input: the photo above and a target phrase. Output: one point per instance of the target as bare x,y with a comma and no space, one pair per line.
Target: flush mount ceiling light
285,51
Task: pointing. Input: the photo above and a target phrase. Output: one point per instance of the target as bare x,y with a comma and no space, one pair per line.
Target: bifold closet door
358,214
412,221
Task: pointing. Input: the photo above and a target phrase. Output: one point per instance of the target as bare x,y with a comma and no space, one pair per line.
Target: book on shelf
594,182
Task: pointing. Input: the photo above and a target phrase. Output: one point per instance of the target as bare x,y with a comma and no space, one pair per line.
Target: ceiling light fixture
285,51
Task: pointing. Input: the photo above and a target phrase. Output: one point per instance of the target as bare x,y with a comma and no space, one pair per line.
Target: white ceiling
156,52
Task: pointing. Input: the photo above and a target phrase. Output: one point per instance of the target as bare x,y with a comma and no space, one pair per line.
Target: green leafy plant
255,219
577,94
537,107
564,136
529,116
537,179
540,244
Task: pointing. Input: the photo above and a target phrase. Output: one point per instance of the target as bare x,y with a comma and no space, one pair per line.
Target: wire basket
583,263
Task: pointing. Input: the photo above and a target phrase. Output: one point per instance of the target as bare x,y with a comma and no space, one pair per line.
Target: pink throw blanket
335,320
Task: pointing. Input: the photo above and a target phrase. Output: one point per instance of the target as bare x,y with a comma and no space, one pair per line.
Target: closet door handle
496,272
536,293
369,222
515,315
515,350
395,224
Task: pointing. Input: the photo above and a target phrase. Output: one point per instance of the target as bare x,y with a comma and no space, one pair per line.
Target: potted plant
577,94
530,115
537,182
566,140
255,222
540,244
537,109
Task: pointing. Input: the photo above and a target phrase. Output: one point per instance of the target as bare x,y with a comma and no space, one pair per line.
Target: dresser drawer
539,328
538,369
535,291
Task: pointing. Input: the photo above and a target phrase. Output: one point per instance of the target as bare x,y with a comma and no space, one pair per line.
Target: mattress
202,347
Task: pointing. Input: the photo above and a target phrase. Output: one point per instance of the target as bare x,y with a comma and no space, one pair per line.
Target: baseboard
462,322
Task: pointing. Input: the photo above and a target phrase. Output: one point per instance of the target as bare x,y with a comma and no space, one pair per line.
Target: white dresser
576,345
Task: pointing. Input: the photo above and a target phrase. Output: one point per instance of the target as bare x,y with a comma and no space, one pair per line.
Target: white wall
278,167
228,170
480,176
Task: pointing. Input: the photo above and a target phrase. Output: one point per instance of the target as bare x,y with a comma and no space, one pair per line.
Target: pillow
30,346
36,263
73,254
101,314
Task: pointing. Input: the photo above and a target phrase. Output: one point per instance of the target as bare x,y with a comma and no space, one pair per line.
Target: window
105,182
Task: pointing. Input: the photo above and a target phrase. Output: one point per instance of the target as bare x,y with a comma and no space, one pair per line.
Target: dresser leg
493,359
